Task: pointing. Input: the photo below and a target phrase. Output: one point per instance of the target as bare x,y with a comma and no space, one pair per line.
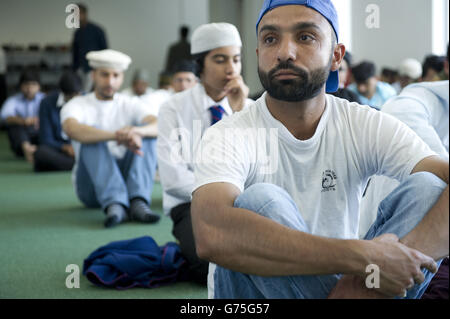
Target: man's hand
32,121
237,93
400,266
68,149
130,137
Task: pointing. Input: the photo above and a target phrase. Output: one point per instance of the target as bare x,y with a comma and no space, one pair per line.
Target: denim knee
273,202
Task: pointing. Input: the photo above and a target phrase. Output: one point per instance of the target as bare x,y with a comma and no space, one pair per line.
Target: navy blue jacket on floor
135,263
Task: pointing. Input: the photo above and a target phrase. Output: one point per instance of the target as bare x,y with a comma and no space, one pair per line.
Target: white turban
211,36
411,68
110,59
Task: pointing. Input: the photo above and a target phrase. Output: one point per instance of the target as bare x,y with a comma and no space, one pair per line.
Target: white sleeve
390,147
8,109
72,110
413,112
140,110
177,178
222,157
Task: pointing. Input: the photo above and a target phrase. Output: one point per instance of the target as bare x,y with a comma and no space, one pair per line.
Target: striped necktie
217,114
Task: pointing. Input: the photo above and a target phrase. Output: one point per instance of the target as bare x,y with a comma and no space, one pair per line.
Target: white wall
405,31
141,28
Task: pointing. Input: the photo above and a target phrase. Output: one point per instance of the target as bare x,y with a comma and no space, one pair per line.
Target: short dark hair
433,62
29,75
199,60
70,83
185,66
363,71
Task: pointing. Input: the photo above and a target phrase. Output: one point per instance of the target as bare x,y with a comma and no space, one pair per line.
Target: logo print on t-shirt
328,181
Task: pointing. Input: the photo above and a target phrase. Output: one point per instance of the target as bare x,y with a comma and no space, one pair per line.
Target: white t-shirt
105,115
326,174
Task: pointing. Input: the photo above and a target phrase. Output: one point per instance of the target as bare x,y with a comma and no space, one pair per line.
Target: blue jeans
398,214
102,180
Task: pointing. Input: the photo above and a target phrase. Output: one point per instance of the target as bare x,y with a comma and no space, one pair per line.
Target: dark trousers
18,134
182,230
47,159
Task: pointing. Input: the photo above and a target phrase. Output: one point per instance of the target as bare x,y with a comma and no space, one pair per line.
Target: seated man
285,224
55,151
368,88
186,116
21,115
184,76
409,71
114,142
140,85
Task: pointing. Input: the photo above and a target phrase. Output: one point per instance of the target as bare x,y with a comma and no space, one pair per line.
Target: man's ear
338,55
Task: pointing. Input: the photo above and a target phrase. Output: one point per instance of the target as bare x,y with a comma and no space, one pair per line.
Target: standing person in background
221,92
55,151
89,37
179,51
20,113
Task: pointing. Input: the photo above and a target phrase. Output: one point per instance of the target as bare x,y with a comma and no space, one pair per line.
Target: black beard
303,88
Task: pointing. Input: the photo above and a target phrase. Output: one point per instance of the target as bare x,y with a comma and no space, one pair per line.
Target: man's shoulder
50,100
249,117
79,101
185,99
95,27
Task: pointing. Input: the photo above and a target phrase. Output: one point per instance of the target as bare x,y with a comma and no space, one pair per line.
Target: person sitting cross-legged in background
114,142
55,151
21,115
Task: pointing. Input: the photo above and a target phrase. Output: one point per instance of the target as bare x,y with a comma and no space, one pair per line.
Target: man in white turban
114,141
216,48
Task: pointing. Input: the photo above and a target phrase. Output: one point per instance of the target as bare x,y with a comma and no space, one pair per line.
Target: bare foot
29,150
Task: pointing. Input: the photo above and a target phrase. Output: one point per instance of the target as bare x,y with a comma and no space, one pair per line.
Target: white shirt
104,115
324,175
182,121
424,107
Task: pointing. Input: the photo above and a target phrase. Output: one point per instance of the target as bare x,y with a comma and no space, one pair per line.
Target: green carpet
44,228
